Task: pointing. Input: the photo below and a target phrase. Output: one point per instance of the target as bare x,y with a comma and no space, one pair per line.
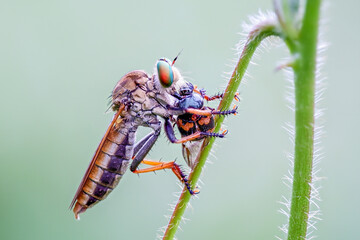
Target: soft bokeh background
59,61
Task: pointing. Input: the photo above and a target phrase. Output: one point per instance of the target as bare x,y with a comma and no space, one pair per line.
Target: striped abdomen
107,167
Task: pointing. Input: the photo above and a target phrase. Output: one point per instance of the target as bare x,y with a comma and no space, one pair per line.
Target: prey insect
138,100
192,124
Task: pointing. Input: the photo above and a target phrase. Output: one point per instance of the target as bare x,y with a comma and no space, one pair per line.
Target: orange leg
209,112
199,135
157,166
191,137
169,165
200,112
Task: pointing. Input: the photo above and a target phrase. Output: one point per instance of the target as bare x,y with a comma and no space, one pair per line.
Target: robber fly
190,124
138,100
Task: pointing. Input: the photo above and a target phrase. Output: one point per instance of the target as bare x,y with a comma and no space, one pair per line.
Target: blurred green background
59,61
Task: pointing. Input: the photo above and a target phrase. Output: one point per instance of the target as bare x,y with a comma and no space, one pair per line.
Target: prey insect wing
190,151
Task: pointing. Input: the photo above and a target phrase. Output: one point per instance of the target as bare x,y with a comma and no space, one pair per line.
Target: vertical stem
255,37
304,70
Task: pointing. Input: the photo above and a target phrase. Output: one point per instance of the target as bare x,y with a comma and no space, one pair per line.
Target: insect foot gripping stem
227,112
167,165
179,173
212,134
209,112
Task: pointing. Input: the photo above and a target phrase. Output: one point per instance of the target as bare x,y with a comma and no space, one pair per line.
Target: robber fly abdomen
109,164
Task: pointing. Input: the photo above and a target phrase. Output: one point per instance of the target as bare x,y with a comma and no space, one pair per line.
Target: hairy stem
259,33
304,71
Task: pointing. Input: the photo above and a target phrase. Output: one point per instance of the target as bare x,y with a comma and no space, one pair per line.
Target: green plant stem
260,32
304,71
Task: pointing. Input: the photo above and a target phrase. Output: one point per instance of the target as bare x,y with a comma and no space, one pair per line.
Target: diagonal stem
259,33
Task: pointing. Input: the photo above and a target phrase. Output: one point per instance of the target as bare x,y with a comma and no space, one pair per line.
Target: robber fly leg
209,112
141,143
168,165
143,148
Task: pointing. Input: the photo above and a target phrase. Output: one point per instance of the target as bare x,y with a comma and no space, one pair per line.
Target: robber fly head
166,71
168,78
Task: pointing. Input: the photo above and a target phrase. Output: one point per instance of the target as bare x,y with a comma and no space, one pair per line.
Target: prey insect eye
165,73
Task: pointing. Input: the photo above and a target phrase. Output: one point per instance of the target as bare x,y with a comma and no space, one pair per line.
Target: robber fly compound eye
165,73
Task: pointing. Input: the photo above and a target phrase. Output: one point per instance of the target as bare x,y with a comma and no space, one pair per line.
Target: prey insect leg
218,96
202,92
